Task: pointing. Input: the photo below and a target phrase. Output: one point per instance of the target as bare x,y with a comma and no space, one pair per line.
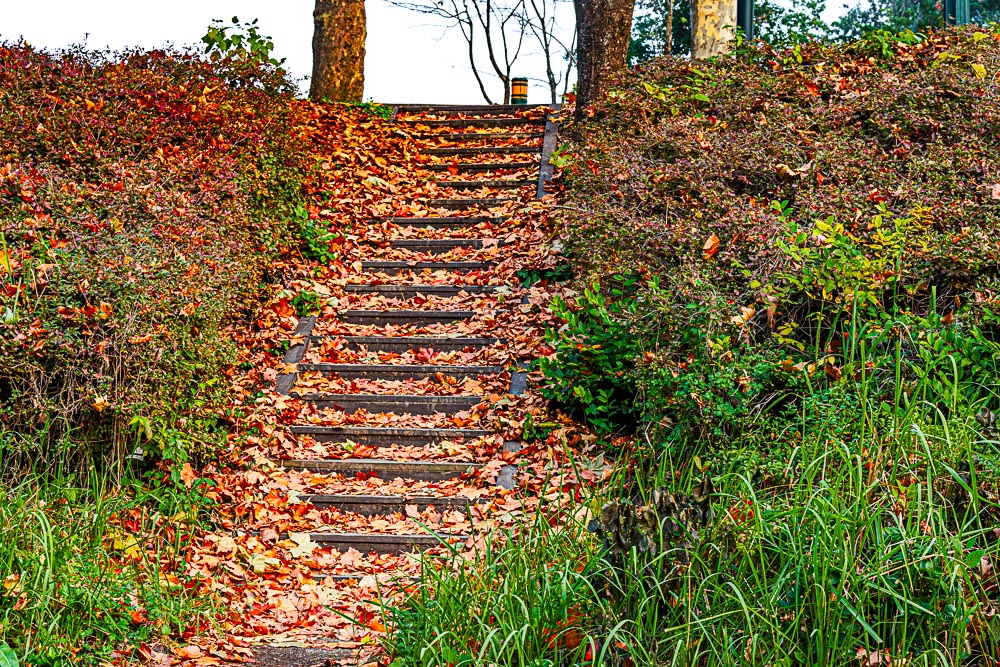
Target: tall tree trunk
603,31
338,51
712,23
668,42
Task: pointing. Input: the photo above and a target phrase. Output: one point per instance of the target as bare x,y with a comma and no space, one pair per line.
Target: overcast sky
410,59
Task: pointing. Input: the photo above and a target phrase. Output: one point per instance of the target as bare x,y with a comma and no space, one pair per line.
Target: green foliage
375,109
595,352
239,41
317,241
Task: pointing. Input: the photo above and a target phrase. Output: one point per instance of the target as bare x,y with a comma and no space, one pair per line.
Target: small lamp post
956,12
744,17
519,90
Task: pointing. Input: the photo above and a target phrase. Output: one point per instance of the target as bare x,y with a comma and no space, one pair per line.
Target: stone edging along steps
534,135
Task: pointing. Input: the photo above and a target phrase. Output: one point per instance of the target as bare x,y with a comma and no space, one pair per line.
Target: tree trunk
338,51
603,31
712,23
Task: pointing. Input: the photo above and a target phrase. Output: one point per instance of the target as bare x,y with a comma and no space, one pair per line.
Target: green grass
76,581
881,545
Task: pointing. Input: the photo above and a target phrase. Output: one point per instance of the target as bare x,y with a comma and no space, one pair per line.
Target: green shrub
591,370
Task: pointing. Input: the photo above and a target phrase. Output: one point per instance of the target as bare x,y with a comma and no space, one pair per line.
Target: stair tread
402,368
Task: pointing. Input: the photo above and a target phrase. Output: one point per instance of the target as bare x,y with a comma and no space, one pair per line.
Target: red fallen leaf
711,246
453,168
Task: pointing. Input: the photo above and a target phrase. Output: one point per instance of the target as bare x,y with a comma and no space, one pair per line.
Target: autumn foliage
141,198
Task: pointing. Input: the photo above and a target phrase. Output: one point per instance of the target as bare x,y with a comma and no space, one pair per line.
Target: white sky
410,59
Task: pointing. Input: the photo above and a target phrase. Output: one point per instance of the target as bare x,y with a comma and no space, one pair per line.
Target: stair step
483,150
495,185
481,136
462,204
396,404
385,544
407,343
396,267
410,291
404,316
439,245
469,109
375,437
399,371
482,166
375,505
473,122
286,656
453,222
424,471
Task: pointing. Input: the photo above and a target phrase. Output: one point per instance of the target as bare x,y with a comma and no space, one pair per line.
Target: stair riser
349,468
377,404
373,507
493,185
404,292
382,318
478,122
484,150
416,374
401,344
388,437
449,267
383,544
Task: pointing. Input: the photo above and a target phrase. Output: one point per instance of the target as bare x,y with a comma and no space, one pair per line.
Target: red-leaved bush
141,198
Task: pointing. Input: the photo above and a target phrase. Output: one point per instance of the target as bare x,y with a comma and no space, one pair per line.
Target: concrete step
399,371
410,291
407,343
394,403
494,185
386,544
384,437
437,245
467,109
400,317
463,204
482,166
397,267
484,150
424,471
481,136
473,122
451,222
376,505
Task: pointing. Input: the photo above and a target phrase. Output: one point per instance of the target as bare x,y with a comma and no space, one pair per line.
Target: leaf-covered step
481,166
399,371
483,150
442,222
396,404
376,505
409,343
391,267
482,136
502,184
425,471
404,316
467,109
437,245
375,437
410,291
474,122
465,204
386,544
